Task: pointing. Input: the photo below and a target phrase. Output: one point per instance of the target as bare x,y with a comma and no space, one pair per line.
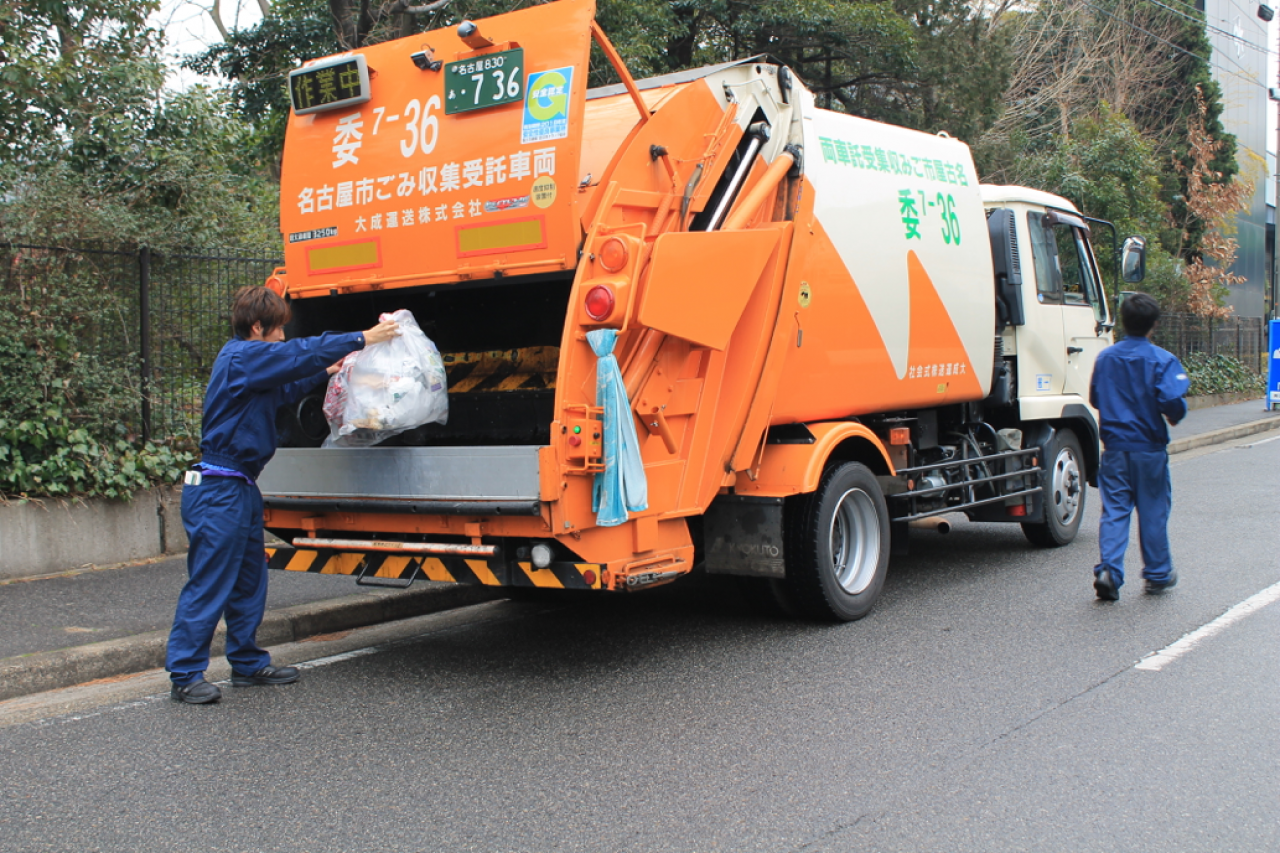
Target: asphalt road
989,703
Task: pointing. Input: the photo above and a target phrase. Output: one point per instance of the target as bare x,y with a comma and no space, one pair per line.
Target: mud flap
744,536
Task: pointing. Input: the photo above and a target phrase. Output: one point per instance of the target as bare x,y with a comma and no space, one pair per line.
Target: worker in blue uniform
253,375
1136,387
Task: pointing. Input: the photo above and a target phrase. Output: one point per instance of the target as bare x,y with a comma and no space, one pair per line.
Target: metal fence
170,316
1243,338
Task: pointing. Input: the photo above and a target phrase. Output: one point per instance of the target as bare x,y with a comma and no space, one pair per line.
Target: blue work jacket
250,381
1134,383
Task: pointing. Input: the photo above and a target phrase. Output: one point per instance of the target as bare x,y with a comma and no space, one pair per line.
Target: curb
1218,436
42,671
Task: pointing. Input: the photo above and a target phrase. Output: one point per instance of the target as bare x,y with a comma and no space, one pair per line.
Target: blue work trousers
1129,479
226,576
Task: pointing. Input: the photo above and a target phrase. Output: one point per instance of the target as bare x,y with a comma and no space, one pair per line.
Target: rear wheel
1064,493
838,545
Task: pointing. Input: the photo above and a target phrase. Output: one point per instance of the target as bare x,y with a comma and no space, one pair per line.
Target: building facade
1240,43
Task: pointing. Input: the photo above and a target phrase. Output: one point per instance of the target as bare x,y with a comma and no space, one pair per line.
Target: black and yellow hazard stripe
530,368
446,569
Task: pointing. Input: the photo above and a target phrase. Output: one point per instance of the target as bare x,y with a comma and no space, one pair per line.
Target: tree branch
402,7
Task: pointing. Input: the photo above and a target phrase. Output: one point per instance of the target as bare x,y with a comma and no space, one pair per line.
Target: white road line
1157,661
1264,441
355,653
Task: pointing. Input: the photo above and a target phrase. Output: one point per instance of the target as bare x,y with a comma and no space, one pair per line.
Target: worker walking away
1136,387
255,373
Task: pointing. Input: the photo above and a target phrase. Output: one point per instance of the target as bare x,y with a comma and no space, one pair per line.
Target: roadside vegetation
1215,373
1109,103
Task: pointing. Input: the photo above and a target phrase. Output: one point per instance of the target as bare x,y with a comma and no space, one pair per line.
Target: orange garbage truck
687,321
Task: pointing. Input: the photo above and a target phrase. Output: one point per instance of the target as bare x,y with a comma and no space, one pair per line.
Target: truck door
1069,292
1041,347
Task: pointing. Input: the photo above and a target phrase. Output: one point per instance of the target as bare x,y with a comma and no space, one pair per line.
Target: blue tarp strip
621,486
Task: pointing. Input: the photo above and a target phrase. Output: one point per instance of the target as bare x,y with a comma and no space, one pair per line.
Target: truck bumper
493,571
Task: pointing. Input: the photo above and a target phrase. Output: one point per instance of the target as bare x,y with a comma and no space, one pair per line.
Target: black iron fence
1243,338
169,316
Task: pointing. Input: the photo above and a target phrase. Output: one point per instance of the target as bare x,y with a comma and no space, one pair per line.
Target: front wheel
1063,495
837,552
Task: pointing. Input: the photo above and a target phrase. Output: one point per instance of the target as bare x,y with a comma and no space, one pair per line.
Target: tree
1110,171
1211,203
1143,59
67,66
963,67
856,56
91,148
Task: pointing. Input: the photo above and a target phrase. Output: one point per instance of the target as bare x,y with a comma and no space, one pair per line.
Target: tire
837,541
1064,493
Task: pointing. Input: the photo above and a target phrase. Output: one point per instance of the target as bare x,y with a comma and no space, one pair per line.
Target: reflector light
1019,510
599,302
590,577
613,254
900,435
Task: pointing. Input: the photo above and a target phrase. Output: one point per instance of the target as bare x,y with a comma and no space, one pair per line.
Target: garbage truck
687,321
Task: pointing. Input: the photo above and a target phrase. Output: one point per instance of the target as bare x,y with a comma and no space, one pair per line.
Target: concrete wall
39,538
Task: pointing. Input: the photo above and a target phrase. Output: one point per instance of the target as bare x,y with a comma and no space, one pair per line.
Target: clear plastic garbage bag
387,388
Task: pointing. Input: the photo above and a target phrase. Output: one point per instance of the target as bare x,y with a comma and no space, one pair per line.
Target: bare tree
1072,55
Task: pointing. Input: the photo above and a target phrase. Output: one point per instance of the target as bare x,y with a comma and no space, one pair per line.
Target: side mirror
1133,260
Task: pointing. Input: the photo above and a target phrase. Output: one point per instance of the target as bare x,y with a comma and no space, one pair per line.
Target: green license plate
485,81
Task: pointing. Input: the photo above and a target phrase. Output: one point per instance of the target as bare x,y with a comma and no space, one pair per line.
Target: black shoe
1105,587
1157,587
266,675
196,693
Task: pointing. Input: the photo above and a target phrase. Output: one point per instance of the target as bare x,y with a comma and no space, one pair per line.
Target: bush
1221,374
51,457
67,402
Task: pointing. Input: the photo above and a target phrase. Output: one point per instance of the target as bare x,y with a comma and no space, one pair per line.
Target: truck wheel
838,545
1064,493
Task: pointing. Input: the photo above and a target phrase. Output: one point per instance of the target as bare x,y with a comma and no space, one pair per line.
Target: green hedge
51,457
1221,374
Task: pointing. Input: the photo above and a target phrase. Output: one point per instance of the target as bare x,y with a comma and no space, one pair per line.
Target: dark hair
257,304
1139,313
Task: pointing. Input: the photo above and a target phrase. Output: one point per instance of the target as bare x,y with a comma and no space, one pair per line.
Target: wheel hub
855,541
1066,486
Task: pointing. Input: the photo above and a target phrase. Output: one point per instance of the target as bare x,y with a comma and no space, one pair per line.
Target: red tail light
599,302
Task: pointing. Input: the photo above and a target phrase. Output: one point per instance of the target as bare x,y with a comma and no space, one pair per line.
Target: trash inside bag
387,388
